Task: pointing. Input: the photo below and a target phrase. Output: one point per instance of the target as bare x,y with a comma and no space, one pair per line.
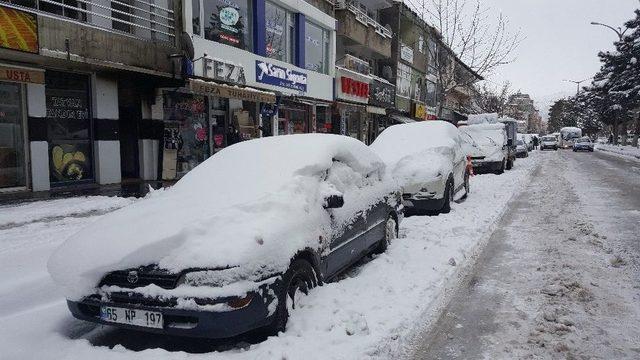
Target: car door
355,226
460,163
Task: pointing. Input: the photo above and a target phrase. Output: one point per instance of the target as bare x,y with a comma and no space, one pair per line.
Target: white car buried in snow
487,145
231,246
427,161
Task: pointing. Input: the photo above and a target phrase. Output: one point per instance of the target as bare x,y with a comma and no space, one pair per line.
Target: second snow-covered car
583,144
427,161
232,246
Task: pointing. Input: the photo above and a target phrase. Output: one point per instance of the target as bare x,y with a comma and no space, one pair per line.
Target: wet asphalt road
503,311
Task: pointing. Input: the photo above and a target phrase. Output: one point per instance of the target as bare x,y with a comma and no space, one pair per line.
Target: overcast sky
559,41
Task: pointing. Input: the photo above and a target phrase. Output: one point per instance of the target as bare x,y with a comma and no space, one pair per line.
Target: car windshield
520,142
548,138
584,141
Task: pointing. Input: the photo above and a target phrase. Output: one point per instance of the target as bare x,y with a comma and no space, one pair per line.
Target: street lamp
577,84
618,31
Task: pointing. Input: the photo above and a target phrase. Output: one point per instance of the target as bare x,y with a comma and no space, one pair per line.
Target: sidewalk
134,188
626,150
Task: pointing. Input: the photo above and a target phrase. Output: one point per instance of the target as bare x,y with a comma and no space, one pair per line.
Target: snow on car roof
398,141
417,152
253,204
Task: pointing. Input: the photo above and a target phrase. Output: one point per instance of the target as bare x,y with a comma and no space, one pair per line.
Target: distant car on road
428,162
549,142
522,149
583,144
234,244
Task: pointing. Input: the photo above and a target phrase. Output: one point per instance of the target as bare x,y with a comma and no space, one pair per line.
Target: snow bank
251,205
626,151
13,215
489,118
418,152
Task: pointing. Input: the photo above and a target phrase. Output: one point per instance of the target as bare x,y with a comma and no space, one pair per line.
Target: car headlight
214,278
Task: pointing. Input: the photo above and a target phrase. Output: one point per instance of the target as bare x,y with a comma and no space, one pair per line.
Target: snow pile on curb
628,150
14,215
369,313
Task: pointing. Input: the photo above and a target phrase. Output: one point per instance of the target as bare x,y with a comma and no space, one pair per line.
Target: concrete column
106,145
149,149
38,145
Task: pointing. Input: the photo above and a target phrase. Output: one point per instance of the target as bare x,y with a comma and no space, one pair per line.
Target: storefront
352,98
69,128
205,117
382,96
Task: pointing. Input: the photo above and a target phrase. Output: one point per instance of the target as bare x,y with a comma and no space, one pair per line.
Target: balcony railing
363,17
147,19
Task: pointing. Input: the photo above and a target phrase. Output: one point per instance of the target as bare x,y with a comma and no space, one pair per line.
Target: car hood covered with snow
418,152
487,140
252,205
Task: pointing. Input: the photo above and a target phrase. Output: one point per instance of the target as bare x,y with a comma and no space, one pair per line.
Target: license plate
135,317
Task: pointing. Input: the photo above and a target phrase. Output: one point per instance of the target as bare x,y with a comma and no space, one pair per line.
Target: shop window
195,17
316,48
323,120
293,119
186,134
280,30
68,127
12,149
431,93
228,22
403,82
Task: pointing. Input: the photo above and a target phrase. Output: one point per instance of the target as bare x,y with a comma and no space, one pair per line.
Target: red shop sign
354,87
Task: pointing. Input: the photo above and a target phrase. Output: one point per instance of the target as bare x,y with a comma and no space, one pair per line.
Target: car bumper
479,166
542,147
583,148
413,206
186,322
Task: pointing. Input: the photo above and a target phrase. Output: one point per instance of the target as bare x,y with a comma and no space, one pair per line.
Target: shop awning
402,119
232,92
376,110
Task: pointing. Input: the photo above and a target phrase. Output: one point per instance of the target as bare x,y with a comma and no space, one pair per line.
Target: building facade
78,80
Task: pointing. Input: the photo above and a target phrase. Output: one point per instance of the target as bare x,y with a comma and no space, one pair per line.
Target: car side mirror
509,142
333,202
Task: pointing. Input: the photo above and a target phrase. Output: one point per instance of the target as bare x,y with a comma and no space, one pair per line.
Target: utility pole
618,31
577,84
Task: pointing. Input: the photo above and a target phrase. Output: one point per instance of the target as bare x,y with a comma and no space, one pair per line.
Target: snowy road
560,276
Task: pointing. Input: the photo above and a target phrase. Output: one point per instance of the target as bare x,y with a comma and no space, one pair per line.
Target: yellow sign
232,92
420,111
16,74
18,30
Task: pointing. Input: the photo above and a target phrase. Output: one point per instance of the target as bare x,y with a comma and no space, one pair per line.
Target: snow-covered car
549,142
487,145
583,144
522,149
427,161
235,242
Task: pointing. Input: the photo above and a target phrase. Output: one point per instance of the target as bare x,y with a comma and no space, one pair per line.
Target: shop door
12,148
130,116
69,128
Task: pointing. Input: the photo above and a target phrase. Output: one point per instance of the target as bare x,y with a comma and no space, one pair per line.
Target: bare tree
467,31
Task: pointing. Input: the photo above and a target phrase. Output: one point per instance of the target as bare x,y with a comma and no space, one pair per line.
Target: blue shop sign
268,73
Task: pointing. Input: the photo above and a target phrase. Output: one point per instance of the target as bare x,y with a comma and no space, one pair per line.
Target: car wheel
296,282
390,234
448,197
